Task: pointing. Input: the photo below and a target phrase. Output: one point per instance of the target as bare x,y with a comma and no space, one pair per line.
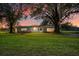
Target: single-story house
32,26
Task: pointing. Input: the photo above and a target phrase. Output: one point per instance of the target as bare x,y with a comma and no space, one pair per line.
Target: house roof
28,23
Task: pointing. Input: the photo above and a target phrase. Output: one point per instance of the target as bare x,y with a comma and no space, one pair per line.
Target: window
23,29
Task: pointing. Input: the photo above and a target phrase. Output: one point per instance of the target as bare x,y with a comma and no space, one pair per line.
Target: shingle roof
28,23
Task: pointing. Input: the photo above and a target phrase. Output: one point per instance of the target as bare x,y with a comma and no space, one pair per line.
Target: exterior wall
50,29
22,29
37,29
34,29
16,30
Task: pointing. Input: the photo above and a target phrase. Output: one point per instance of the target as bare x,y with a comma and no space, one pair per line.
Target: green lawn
38,44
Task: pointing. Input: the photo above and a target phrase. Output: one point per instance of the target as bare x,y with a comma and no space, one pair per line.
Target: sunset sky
75,20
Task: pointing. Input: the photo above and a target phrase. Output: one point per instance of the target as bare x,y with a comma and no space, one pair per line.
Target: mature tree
56,13
12,12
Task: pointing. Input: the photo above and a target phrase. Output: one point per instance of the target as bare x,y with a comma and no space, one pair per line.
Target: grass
38,44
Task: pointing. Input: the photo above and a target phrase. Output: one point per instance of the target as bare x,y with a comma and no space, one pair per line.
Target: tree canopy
11,12
56,12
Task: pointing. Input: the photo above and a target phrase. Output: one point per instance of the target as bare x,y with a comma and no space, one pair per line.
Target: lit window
23,29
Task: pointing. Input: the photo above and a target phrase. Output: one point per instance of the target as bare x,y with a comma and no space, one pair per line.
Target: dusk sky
75,20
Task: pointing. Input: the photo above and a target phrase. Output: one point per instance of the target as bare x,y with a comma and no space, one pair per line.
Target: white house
32,26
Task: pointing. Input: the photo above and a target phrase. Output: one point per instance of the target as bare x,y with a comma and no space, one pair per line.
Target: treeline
67,27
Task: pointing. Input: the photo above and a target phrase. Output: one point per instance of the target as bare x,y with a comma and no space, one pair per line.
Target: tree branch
68,13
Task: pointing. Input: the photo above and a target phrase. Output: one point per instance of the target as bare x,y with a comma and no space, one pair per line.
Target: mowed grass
38,44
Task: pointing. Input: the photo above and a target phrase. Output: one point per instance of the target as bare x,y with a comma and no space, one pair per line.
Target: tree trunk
57,28
57,19
11,28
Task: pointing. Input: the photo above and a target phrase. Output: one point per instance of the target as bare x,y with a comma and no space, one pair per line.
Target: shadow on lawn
71,33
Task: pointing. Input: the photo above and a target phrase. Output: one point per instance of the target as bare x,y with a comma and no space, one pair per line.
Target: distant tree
56,12
66,26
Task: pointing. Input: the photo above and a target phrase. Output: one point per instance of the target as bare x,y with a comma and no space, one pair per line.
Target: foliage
11,13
